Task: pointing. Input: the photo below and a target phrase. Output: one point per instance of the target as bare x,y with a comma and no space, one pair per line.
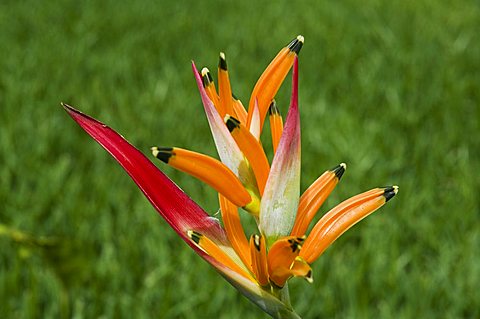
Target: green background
389,87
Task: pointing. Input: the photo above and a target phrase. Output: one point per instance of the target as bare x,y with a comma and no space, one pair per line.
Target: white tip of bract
301,38
343,165
395,189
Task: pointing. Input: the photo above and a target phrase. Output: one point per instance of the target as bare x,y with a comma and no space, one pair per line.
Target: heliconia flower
258,263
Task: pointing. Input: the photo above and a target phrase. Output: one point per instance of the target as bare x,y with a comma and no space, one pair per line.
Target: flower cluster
260,263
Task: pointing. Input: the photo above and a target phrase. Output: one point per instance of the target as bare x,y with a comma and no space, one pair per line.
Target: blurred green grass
390,87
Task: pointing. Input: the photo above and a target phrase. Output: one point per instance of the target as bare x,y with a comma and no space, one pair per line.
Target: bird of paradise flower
260,265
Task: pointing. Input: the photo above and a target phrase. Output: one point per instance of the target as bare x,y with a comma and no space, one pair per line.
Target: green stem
287,314
283,295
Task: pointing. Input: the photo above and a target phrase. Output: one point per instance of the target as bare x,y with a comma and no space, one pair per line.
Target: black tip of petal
222,63
296,44
309,276
390,191
339,170
206,77
256,242
163,153
195,236
231,122
272,110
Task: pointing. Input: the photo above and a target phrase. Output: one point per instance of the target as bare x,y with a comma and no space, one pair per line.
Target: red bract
179,210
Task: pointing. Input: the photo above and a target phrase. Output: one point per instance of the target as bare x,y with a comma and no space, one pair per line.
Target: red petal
180,211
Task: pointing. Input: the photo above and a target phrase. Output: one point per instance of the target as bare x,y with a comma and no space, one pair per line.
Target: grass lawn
392,88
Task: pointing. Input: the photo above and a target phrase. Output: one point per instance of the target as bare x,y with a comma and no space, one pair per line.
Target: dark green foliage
392,88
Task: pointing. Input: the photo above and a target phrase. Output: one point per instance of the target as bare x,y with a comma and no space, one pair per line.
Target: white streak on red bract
227,149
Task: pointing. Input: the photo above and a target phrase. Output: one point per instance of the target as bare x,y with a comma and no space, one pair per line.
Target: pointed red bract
179,210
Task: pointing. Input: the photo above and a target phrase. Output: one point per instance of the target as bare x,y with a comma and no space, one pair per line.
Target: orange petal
272,78
281,256
252,150
239,109
341,218
314,197
213,250
208,170
211,91
299,268
224,88
234,229
276,125
258,250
